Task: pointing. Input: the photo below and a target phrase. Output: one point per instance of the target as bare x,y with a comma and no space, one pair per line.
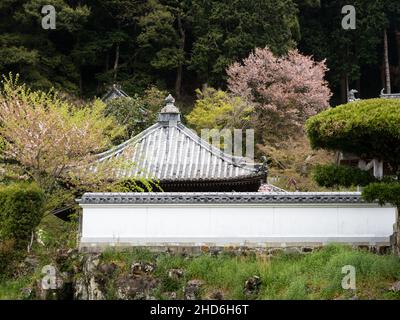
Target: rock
395,287
90,285
61,256
306,249
142,268
170,295
215,251
363,248
383,249
216,295
354,298
27,292
192,289
252,285
291,250
275,251
135,287
243,251
205,249
31,262
175,274
91,262
108,268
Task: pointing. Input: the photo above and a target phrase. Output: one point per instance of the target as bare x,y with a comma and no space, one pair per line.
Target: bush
8,256
383,193
135,185
330,176
217,109
136,113
366,128
21,210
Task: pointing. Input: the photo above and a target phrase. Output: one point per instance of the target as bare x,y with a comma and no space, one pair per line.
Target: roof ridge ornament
170,105
169,114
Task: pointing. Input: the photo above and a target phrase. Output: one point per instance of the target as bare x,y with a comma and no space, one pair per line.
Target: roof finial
170,113
169,99
170,106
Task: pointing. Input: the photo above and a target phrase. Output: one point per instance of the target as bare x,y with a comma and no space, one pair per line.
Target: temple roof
114,92
389,95
168,150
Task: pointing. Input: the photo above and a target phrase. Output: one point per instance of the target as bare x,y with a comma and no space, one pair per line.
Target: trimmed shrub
366,128
135,185
8,256
21,210
383,193
330,176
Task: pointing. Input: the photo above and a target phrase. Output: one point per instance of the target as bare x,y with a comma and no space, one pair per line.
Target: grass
12,289
316,275
285,276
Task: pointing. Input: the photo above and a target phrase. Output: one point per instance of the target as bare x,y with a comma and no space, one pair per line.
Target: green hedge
367,128
330,176
383,193
135,185
21,210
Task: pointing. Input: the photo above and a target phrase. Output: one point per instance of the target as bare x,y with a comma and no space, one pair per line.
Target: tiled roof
389,95
115,92
168,150
221,197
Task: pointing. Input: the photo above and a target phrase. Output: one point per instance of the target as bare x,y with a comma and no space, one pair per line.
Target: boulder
142,268
175,274
192,289
395,287
216,295
136,287
252,285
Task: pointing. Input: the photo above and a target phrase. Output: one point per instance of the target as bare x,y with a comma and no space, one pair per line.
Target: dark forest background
181,45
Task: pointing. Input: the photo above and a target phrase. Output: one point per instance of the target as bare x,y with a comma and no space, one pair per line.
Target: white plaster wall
235,224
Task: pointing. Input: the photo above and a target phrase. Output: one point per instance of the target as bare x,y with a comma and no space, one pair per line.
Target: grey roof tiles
168,150
221,197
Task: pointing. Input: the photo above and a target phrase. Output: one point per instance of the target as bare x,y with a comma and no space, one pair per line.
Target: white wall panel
199,224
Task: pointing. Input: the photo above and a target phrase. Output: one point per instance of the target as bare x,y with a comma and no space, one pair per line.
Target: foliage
135,185
225,31
21,210
38,54
331,176
129,112
164,42
46,135
366,128
217,109
317,275
136,113
383,193
349,53
285,90
138,43
8,256
291,163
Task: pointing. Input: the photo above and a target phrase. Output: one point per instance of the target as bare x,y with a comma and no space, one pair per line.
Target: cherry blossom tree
47,136
285,91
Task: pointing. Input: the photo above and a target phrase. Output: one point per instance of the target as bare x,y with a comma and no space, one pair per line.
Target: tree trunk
107,61
80,83
386,59
116,61
178,82
343,88
398,46
396,234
